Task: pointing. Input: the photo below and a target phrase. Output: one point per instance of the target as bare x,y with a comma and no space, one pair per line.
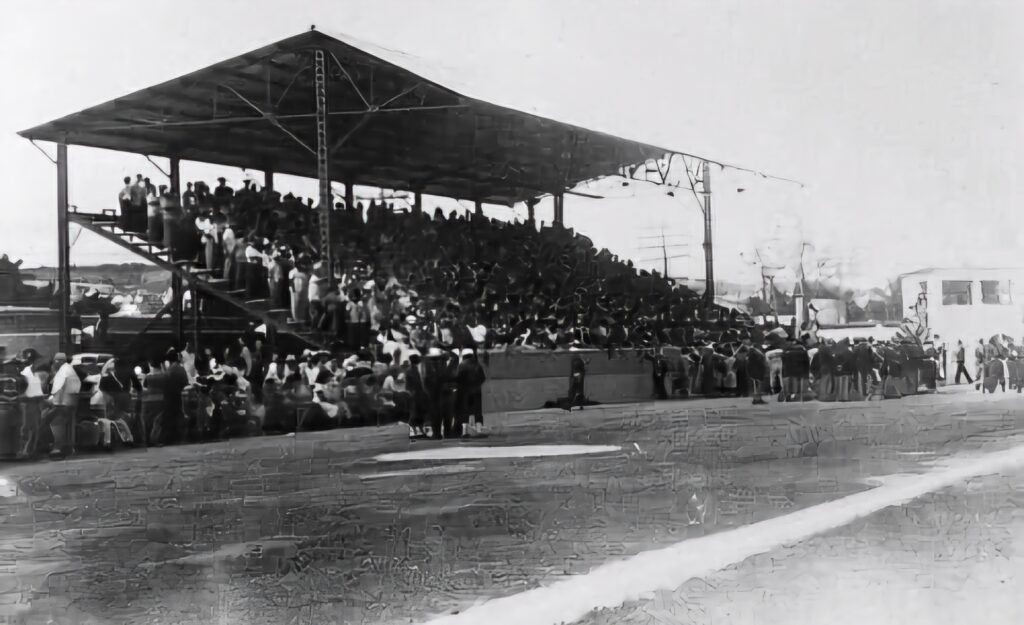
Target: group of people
798,368
244,389
536,288
997,364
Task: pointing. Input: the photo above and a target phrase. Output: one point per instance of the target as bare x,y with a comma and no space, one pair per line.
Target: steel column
179,321
417,203
322,155
478,209
195,321
350,195
63,250
709,265
559,215
268,179
175,177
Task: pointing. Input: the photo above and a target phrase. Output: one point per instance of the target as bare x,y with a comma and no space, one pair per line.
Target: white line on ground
511,451
610,585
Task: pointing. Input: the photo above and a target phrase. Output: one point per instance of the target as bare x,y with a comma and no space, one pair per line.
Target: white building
967,304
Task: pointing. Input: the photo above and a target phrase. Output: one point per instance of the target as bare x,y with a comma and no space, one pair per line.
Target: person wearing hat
419,398
223,193
170,427
470,378
63,400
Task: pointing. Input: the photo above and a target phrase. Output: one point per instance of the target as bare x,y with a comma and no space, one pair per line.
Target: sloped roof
395,122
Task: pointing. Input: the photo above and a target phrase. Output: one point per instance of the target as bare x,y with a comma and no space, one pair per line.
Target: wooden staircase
105,225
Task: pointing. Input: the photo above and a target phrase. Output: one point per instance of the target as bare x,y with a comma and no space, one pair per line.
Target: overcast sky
904,118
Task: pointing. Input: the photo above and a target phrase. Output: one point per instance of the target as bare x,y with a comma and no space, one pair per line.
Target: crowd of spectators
244,389
466,279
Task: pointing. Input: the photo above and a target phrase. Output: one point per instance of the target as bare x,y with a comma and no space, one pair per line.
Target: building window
956,292
995,292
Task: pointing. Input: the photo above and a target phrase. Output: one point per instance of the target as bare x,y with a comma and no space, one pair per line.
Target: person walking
961,356
979,364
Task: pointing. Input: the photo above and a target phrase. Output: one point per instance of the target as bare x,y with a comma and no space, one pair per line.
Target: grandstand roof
395,122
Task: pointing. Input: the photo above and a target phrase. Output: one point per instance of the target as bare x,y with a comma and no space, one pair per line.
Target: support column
350,195
179,322
176,177
709,265
322,157
63,250
478,209
417,203
195,320
268,180
559,209
530,217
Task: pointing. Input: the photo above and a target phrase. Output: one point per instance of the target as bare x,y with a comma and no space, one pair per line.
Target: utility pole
709,265
664,247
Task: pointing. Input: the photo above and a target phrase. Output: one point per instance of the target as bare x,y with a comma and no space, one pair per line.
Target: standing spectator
796,368
757,371
577,382
172,419
124,200
419,398
470,382
63,399
298,278
188,198
138,193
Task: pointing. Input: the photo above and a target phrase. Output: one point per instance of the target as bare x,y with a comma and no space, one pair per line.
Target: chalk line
612,584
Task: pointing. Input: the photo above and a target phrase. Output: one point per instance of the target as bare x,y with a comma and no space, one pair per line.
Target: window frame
946,295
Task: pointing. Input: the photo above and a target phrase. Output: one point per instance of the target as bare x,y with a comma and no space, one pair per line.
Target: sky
903,118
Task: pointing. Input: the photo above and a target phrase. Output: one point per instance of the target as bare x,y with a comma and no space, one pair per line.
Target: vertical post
530,204
417,203
559,215
195,320
350,195
478,208
322,155
179,321
63,250
709,265
176,177
268,179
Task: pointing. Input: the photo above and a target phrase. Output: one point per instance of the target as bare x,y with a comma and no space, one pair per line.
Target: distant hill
123,276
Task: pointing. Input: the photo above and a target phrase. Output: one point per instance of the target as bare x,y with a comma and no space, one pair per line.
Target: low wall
526,380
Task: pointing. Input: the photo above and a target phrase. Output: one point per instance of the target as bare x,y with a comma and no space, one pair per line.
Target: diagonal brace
270,118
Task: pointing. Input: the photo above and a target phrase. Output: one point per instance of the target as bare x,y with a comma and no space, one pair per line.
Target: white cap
434,352
467,352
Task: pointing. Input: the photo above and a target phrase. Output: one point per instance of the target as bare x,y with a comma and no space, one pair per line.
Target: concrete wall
526,380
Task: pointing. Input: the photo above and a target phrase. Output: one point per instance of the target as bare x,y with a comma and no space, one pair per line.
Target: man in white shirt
63,400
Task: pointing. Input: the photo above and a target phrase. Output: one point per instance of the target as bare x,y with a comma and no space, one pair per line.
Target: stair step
236,292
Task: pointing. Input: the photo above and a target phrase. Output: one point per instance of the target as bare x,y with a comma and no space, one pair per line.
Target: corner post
559,216
417,203
63,249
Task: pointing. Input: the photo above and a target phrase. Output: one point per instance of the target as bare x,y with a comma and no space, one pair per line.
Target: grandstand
342,111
